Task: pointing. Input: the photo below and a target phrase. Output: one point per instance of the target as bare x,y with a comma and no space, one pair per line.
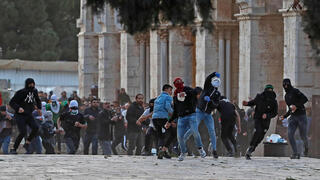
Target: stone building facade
254,42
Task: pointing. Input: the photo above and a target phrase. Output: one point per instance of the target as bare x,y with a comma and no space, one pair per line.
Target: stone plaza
139,167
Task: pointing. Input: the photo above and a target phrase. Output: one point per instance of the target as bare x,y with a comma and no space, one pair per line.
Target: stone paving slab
63,167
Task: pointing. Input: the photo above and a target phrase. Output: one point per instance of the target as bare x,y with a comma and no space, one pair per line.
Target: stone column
88,51
206,55
179,55
261,54
222,60
299,64
109,57
228,65
109,66
132,65
158,55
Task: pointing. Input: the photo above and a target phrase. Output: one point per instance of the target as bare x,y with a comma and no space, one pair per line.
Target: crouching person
72,121
47,132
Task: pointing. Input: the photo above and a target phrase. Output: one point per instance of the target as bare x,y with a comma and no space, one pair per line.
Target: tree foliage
142,15
39,29
311,20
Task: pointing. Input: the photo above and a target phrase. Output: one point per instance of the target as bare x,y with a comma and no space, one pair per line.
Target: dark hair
139,95
222,97
94,99
198,90
166,86
152,100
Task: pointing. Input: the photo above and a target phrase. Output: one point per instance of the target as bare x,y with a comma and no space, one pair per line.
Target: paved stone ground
138,167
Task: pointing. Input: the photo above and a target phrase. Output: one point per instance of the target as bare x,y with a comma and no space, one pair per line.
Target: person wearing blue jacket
161,112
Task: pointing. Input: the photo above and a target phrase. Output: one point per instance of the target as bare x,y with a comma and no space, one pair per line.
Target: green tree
25,32
311,20
142,15
63,15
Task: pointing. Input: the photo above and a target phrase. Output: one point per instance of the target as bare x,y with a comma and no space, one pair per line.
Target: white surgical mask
216,82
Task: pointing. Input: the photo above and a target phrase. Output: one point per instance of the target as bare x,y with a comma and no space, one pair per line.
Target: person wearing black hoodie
134,112
24,102
208,101
105,128
298,119
266,108
184,108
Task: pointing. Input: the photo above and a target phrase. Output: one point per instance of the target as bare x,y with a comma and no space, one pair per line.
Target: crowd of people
165,123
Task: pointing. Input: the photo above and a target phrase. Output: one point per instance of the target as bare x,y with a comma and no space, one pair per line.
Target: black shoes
215,154
167,155
295,156
13,151
249,152
162,154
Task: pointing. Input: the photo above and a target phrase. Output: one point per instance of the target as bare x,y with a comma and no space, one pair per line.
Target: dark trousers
227,135
117,140
22,122
48,144
58,141
72,144
159,125
171,136
134,142
295,122
150,137
88,139
261,127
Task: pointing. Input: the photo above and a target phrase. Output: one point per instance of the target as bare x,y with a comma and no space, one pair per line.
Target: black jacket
295,97
210,91
68,120
25,98
105,125
92,124
227,111
186,107
133,114
265,103
47,130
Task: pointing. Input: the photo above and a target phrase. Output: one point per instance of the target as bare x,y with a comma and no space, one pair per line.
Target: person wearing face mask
266,108
207,102
24,102
298,119
184,105
72,122
56,108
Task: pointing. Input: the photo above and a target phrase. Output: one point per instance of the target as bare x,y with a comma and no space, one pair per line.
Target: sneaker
13,151
295,156
182,156
166,155
160,154
230,154
203,153
215,154
249,152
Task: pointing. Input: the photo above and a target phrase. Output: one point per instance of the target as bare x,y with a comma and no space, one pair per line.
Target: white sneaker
182,156
203,153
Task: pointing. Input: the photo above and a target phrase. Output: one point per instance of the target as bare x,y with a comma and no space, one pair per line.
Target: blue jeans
72,144
208,120
295,122
90,138
106,147
5,142
184,123
35,146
